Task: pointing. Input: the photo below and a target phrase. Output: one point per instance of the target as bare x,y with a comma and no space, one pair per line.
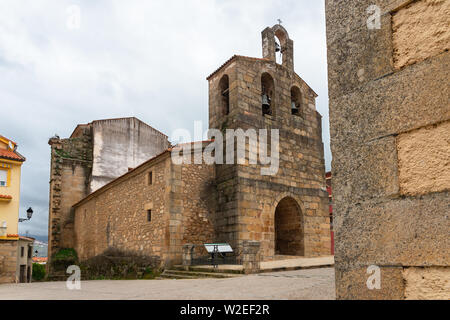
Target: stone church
113,182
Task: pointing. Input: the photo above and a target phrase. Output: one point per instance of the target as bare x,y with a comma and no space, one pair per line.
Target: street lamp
29,215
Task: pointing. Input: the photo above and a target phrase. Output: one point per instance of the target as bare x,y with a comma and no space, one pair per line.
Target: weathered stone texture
120,144
116,216
8,261
71,162
427,283
420,30
424,159
192,207
400,231
389,139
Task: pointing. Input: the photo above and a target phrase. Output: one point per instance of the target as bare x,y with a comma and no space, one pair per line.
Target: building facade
24,269
158,206
10,169
286,211
390,124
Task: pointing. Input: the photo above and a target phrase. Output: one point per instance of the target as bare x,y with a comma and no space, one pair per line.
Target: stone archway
289,228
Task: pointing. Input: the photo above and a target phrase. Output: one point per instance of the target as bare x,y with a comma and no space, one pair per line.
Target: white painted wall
120,144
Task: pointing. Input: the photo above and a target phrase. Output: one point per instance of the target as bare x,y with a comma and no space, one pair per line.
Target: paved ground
296,262
300,284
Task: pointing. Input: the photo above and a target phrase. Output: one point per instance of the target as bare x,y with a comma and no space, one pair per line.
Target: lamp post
29,215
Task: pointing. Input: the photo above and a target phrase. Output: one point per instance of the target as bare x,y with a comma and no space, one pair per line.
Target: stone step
208,269
168,275
60,276
182,274
204,274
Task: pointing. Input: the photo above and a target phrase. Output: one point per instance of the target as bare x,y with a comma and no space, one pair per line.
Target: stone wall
388,113
70,167
8,261
119,144
95,154
247,200
116,215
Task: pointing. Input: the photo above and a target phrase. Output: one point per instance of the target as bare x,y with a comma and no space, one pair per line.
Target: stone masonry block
401,102
424,159
367,170
402,231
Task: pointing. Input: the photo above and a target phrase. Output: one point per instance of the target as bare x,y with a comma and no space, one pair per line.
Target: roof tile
11,155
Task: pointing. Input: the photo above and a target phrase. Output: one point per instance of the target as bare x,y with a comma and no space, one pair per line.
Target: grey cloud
147,59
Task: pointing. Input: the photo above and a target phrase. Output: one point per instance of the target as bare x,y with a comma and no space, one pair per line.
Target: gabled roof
11,155
235,57
5,139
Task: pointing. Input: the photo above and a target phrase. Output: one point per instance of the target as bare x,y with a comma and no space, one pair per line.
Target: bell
266,105
294,108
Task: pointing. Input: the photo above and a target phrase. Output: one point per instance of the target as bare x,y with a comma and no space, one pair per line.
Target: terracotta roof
3,196
192,142
128,173
233,58
109,184
11,155
40,259
254,59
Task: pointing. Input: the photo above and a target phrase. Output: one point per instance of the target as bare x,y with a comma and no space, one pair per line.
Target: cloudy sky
147,59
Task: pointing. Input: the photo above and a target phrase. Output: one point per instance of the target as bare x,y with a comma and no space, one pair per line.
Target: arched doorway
288,228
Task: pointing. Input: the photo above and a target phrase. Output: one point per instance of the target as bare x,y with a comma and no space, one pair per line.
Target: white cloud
147,59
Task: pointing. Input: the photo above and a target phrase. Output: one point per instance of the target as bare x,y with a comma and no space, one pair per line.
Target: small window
149,215
22,251
267,91
296,101
224,95
3,178
150,178
29,252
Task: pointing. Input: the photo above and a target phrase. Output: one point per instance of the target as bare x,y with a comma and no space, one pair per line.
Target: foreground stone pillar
188,253
389,128
251,256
